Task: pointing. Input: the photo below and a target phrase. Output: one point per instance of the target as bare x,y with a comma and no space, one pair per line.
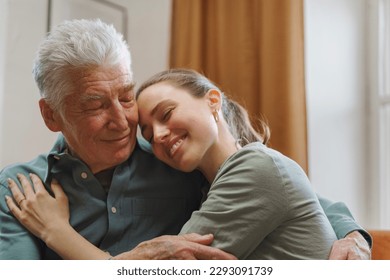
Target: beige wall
23,134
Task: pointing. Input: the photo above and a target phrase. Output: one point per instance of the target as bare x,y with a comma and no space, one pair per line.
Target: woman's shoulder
252,162
257,152
263,164
256,155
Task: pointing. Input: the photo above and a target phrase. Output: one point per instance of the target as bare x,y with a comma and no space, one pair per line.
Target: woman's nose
160,133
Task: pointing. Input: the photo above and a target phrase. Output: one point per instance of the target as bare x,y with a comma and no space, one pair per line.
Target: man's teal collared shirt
146,199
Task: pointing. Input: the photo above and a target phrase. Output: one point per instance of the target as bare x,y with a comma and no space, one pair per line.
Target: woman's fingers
37,192
12,206
28,191
18,198
58,192
26,185
38,185
16,192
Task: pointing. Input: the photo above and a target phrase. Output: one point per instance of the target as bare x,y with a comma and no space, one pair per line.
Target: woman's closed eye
167,113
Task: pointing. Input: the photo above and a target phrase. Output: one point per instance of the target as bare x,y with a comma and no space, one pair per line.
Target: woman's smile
175,145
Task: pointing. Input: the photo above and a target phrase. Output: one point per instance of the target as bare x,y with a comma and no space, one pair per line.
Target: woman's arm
47,217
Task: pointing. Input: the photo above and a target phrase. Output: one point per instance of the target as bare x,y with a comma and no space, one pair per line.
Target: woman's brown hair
198,85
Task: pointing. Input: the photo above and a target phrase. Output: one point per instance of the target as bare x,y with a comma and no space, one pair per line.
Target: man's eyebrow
95,96
129,86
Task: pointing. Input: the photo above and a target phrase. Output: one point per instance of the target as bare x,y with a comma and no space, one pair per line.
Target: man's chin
123,154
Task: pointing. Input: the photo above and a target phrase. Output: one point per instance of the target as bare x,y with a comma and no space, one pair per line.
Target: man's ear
50,117
214,99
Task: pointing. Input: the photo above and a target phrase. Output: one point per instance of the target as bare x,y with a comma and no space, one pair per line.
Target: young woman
260,204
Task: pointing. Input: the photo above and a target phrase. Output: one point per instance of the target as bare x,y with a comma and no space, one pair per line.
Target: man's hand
352,247
171,247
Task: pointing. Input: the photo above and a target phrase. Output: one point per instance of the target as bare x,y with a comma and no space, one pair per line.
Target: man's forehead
102,72
96,93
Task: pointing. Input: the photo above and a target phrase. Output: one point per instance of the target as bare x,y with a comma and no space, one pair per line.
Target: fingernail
9,181
7,197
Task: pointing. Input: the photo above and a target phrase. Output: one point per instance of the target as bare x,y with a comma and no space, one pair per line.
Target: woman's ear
49,116
214,99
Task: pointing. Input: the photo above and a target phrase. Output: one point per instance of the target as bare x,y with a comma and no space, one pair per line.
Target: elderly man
119,194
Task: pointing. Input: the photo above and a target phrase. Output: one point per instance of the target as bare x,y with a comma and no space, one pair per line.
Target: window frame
378,183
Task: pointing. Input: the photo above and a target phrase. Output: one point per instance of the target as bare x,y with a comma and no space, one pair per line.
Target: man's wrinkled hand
352,247
172,247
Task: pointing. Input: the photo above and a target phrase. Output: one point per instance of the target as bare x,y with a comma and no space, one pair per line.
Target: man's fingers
352,247
205,239
203,252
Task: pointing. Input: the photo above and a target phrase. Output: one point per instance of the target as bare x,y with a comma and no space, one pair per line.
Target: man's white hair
71,47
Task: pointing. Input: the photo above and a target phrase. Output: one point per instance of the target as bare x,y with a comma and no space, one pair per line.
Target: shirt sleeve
245,203
16,243
341,219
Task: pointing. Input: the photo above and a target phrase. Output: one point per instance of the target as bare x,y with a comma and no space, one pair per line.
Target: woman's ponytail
240,125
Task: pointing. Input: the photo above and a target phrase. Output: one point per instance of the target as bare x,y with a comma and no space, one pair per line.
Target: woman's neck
225,146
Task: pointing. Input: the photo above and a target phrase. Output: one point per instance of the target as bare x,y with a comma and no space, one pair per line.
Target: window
379,113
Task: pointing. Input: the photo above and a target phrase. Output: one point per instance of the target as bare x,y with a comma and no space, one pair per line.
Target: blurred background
317,70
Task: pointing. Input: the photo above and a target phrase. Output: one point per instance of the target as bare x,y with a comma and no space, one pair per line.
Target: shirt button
113,210
84,175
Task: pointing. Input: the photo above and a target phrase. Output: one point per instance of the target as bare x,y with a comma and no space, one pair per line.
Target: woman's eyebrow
157,107
154,111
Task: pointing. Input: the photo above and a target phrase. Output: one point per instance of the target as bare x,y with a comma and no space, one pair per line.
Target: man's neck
105,178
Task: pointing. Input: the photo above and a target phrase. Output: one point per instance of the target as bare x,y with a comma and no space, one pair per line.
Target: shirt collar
60,149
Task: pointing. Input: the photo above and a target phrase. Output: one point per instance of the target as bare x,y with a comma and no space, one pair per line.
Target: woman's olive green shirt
261,206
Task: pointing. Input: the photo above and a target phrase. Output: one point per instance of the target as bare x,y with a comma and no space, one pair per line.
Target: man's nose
118,117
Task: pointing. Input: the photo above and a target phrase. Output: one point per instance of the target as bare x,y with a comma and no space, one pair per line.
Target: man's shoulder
144,145
37,166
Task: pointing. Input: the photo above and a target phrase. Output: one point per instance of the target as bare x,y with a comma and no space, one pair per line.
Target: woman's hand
36,209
